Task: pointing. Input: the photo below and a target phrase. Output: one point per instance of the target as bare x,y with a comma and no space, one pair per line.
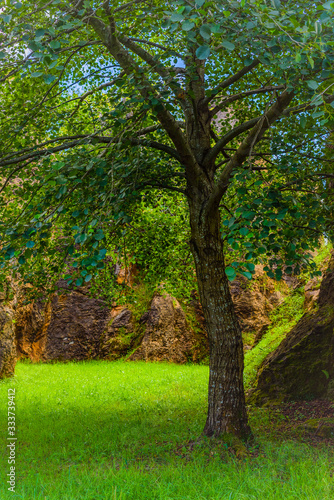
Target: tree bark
226,398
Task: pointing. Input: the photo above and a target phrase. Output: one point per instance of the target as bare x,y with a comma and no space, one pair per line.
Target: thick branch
129,65
243,127
236,97
97,139
230,80
245,148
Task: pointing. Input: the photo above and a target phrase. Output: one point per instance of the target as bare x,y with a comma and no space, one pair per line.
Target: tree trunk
226,399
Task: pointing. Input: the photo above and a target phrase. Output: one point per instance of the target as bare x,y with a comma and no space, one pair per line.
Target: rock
7,337
30,329
119,337
127,274
302,367
74,325
68,327
254,301
312,290
167,335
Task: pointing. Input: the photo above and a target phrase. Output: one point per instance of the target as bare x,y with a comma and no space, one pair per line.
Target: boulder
7,337
74,325
254,301
167,336
68,327
302,367
119,337
312,290
30,331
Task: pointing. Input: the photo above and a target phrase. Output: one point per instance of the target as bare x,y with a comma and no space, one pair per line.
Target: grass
283,319
121,431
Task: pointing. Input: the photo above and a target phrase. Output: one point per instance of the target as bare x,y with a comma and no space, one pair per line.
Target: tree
179,96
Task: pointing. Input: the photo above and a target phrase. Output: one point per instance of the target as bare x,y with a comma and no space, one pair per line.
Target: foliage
84,138
120,431
157,241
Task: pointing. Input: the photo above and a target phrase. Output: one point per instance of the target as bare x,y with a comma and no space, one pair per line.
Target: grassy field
129,431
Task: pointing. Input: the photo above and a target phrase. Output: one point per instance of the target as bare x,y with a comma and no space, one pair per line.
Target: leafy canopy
102,102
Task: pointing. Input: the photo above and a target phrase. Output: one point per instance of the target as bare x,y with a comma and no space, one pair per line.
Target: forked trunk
226,400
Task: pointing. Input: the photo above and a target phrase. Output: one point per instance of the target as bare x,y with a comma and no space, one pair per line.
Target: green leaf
230,273
312,84
243,231
99,235
2,55
203,52
55,44
187,25
39,33
329,5
36,74
49,78
247,275
205,31
176,17
249,214
199,3
326,373
317,27
6,18
88,277
34,46
228,45
21,260
79,282
30,244
250,266
216,28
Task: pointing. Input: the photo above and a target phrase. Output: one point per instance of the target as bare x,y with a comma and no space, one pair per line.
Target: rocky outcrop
254,301
30,331
7,337
119,337
302,367
312,291
167,335
68,327
74,324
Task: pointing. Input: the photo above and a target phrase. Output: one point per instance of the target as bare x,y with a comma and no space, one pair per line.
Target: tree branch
243,151
241,95
230,80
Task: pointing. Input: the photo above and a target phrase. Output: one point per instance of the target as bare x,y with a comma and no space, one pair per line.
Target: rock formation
254,301
73,325
302,367
119,337
167,337
7,336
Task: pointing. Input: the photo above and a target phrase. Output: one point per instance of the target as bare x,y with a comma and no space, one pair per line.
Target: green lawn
121,431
